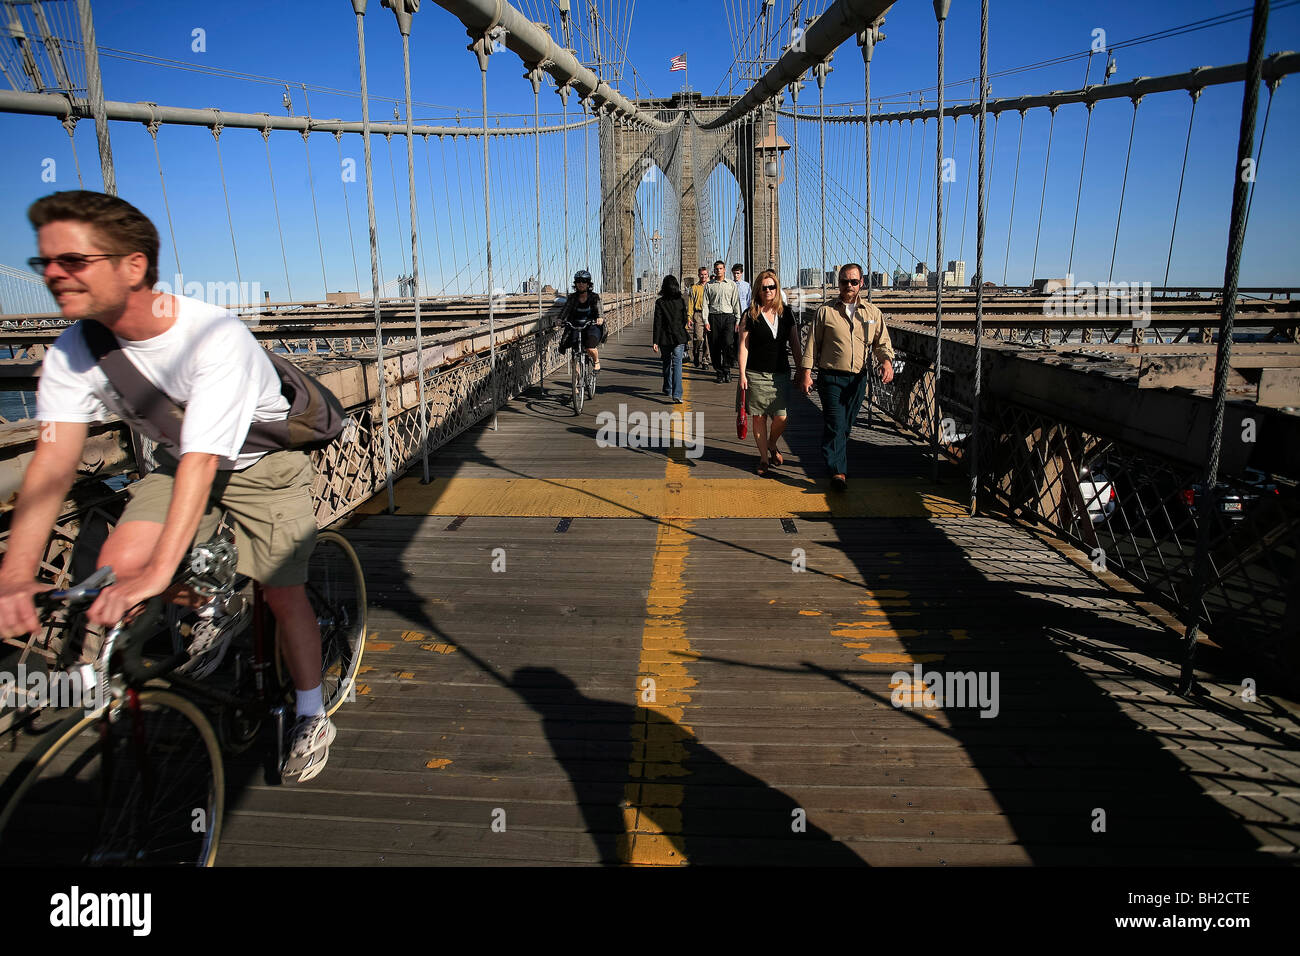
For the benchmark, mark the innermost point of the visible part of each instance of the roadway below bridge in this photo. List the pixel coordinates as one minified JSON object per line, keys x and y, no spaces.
{"x":582,"y":654}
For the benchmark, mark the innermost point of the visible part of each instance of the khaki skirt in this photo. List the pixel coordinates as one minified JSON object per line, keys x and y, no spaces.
{"x":769,"y":393}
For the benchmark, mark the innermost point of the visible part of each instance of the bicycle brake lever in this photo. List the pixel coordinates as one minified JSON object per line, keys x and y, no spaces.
{"x":80,"y":592}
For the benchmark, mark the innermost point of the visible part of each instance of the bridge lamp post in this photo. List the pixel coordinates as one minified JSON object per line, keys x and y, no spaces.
{"x":771,"y":150}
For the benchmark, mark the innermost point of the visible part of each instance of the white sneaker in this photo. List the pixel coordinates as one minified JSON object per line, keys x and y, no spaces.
{"x":309,"y":748}
{"x":211,"y":635}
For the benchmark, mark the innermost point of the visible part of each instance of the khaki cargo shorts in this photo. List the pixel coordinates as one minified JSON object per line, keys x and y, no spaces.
{"x":270,"y":506}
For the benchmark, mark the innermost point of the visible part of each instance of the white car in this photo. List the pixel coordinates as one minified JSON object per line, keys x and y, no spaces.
{"x":1098,"y":494}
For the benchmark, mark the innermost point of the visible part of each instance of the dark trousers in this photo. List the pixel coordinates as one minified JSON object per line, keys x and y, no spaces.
{"x":841,"y":394}
{"x":722,"y":335}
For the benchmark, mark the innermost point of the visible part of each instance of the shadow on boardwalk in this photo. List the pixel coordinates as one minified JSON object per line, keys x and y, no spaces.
{"x":707,"y":812}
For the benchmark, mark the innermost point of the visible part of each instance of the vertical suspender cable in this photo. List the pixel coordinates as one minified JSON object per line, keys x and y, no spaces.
{"x":822,"y":69}
{"x":1232,"y":268}
{"x":347,"y":208}
{"x":482,"y":48}
{"x":359,"y":7}
{"x":1195,"y":95}
{"x":941,"y":14}
{"x":311,"y":181}
{"x":973,"y":446}
{"x":221,"y":168}
{"x":1041,"y":199}
{"x":275,"y":204}
{"x":1015,"y":184}
{"x":404,"y":26}
{"x":535,"y":76}
{"x":868,"y":40}
{"x":798,"y":210}
{"x":95,"y":93}
{"x":153,"y":127}
{"x":1119,"y":213}
{"x":564,"y":98}
{"x":1078,"y":196}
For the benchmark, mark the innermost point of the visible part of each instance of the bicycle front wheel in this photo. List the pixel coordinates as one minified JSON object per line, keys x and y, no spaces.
{"x":141,"y":785}
{"x":579,"y":364}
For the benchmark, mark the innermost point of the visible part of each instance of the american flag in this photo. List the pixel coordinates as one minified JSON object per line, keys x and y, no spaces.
{"x":678,"y":63}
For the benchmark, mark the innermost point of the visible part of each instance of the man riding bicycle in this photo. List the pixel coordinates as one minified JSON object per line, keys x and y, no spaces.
{"x":582,"y":318}
{"x":99,"y":258}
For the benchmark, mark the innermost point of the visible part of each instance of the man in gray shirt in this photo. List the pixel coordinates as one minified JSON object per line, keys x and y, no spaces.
{"x":721,"y":317}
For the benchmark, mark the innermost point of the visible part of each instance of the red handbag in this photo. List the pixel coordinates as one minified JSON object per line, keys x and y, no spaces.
{"x":742,"y":418}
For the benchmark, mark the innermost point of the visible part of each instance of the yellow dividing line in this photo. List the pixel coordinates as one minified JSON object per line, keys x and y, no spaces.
{"x":652,"y":814}
{"x":676,"y":495}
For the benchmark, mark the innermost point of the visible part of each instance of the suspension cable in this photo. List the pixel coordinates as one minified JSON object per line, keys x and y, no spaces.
{"x":1078,"y":196}
{"x":386,"y":430}
{"x":1232,"y":267}
{"x":275,"y":202}
{"x":981,"y":199}
{"x":941,"y":14}
{"x":347,"y":209}
{"x":1047,"y":162}
{"x":1015,"y":183}
{"x":311,"y":182}
{"x":153,"y":126}
{"x":1119,"y":213}
{"x":216,"y":135}
{"x":1195,"y":95}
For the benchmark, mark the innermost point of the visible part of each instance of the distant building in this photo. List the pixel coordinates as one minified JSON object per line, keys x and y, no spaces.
{"x":901,"y":279}
{"x":958,"y":269}
{"x":921,"y":269}
{"x":880,"y":280}
{"x":809,"y":278}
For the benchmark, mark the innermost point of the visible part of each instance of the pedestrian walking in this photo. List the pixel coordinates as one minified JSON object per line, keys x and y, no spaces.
{"x":844,"y":335}
{"x":721,"y":318}
{"x":768,"y":338}
{"x":699,"y":338}
{"x":669,"y":336}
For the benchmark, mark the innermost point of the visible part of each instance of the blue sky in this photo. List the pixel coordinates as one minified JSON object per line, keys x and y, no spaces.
{"x":315,"y":43}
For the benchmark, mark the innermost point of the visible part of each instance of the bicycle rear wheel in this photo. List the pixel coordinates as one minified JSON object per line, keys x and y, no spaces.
{"x":134,"y":787}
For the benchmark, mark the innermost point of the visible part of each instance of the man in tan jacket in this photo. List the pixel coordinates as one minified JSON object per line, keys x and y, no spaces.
{"x":844,"y":334}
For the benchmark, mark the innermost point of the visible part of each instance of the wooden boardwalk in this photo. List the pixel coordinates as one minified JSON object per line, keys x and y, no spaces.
{"x":506,"y":716}
{"x":726,"y":673}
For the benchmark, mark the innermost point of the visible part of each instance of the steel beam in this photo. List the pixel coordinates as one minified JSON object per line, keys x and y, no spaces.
{"x":1276,"y":66}
{"x":55,"y":104}
{"x":536,"y":48}
{"x":842,"y":20}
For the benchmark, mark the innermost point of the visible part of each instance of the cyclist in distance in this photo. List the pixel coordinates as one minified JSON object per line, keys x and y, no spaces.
{"x":99,"y":258}
{"x":582,"y":312}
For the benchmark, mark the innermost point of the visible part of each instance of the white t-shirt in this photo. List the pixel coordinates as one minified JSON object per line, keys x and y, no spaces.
{"x":207,"y":361}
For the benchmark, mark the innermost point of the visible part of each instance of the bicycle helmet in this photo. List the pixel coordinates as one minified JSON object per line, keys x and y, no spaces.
{"x":582,"y":275}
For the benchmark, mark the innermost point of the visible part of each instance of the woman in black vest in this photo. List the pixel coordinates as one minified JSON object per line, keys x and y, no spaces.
{"x":767,"y":337}
{"x":669,"y":337}
{"x":582,"y":309}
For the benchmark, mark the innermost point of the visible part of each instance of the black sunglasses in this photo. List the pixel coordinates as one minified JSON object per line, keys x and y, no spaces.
{"x":850,"y":282}
{"x":71,"y":262}
{"x":768,"y":288}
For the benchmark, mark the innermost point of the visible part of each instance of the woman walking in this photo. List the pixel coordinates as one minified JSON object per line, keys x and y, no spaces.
{"x":767,"y":337}
{"x":669,"y":337}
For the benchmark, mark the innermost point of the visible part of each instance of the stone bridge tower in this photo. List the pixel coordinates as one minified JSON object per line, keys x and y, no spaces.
{"x":687,"y":156}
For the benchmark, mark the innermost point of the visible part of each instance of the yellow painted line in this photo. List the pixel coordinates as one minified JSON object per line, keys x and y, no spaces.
{"x":438,"y":763}
{"x":900,"y":658}
{"x":439,"y":648}
{"x":676,"y":495}
{"x":652,"y":814}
